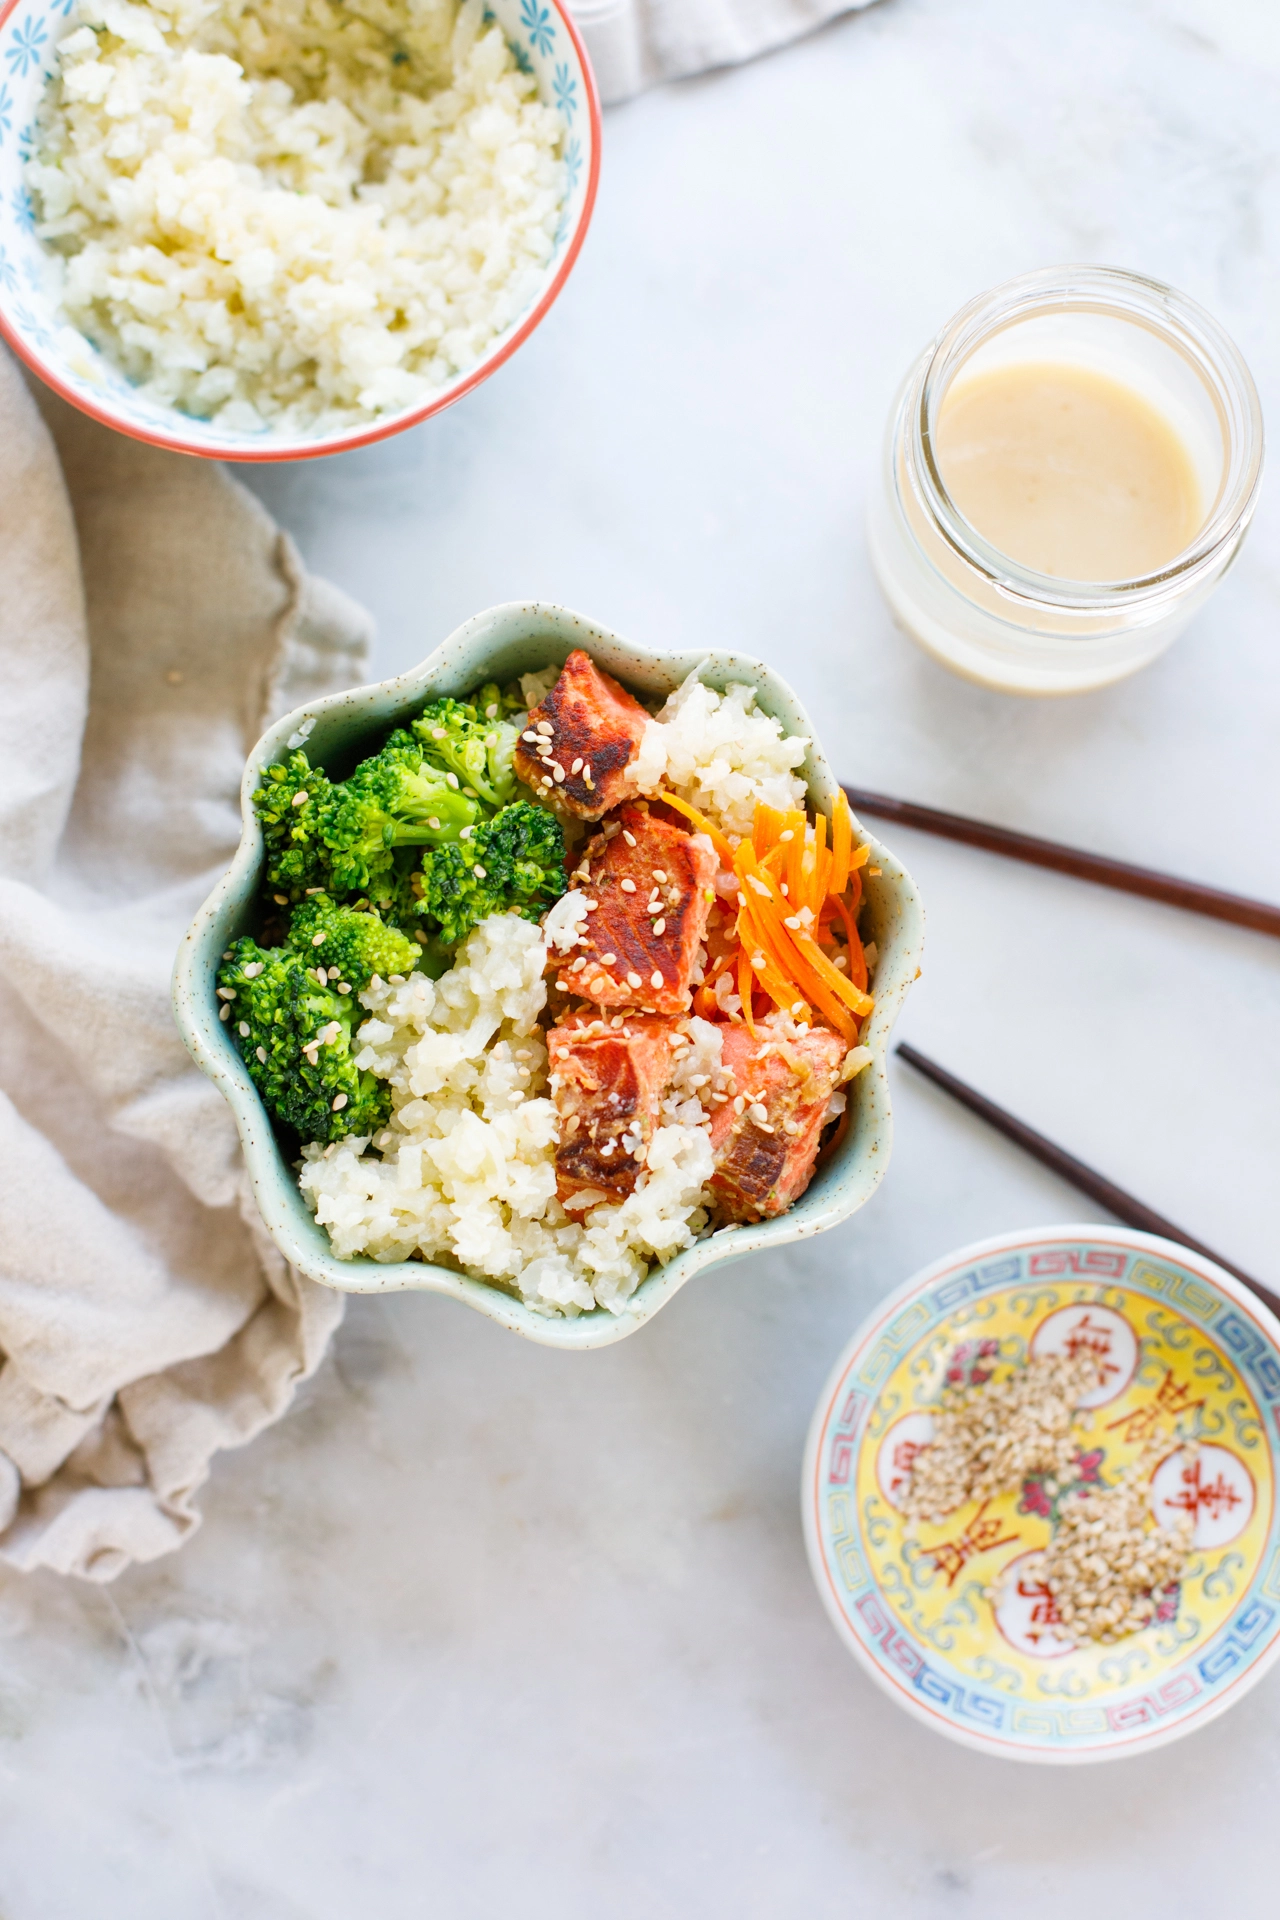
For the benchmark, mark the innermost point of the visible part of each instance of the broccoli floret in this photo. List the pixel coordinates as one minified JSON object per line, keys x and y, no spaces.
{"x":341,"y":835}
{"x":295,"y":1033}
{"x":493,"y":702}
{"x":292,"y":803}
{"x":514,"y":861}
{"x":350,"y":945}
{"x":478,"y":752}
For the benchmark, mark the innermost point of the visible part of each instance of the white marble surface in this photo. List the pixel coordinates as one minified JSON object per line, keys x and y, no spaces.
{"x":484,"y":1629}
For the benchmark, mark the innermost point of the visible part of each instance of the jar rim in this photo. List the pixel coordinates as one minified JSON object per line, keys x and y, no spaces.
{"x":1115,"y":291}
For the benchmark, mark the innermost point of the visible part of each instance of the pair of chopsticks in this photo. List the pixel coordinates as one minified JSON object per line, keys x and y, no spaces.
{"x":1098,"y":867}
{"x":1188,"y":894}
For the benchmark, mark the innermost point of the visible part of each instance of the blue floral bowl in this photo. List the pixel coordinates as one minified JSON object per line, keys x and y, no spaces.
{"x":545,"y":42}
{"x":506,"y":641}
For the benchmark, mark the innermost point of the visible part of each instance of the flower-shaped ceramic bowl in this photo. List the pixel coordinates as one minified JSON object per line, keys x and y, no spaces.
{"x":951,"y":1619}
{"x":506,"y":641}
{"x":546,"y":43}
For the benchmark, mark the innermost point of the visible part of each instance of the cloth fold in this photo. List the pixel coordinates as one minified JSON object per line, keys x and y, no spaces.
{"x":153,"y":620}
{"x":633,"y":44}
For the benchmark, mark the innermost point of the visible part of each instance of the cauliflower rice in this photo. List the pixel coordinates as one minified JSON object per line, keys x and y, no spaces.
{"x":285,"y":213}
{"x":465,"y":1172}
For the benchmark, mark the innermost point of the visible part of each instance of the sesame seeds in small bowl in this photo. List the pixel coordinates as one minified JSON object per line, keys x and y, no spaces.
{"x":1039,"y":1493}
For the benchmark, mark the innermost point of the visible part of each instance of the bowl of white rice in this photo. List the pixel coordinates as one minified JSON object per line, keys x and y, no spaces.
{"x":463,"y":1201}
{"x":273,"y":229}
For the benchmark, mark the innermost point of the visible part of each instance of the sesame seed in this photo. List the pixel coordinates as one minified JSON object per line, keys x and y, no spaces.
{"x":466,"y":833}
{"x":608,"y":959}
{"x":628,"y":886}
{"x":577,"y":765}
{"x":758,"y":962}
{"x":530,"y":736}
{"x":758,"y":1112}
{"x":557,"y":772}
{"x":628,"y":837}
{"x":545,"y":727}
{"x":579,"y":963}
{"x":226,"y":993}
{"x":301,"y":799}
{"x":261,"y":1053}
{"x":491,"y":712}
{"x":317,"y":939}
{"x":451,"y":780}
{"x":659,"y":926}
{"x":618,"y":1018}
{"x":224,"y":1013}
{"x":243,"y":1029}
{"x":739,"y":1104}
{"x":254,"y":968}
{"x":656,"y":978}
{"x":634,"y":980}
{"x":480,"y":873}
{"x":660,"y":876}
{"x":343,"y":986}
{"x":340,"y":1101}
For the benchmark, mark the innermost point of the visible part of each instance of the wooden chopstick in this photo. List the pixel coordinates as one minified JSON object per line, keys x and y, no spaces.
{"x":1242,"y":912}
{"x":1116,"y":1201}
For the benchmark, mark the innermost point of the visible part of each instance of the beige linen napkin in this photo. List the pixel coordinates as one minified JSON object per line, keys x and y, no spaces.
{"x":152,"y":619}
{"x":635,"y":43}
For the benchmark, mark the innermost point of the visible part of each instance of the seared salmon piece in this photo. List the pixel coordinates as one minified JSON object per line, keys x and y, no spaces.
{"x":766,"y":1138}
{"x":651,"y":887}
{"x":607,"y":1083}
{"x":579,"y":747}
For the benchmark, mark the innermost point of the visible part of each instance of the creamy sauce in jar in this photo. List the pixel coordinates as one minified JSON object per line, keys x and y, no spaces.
{"x":1067,"y":471}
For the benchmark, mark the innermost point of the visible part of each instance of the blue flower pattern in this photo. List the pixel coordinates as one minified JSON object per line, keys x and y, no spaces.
{"x":572,"y":164}
{"x":565,"y":89}
{"x":538,"y":25}
{"x":6,"y":112}
{"x":23,"y":209}
{"x":23,"y":52}
{"x":8,"y":273}
{"x":33,"y":329}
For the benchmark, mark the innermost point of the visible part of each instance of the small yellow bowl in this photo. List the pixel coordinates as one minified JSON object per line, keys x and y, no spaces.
{"x":951,"y":1619}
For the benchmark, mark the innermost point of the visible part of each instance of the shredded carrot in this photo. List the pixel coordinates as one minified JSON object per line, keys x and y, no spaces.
{"x":803,"y":878}
{"x":764,"y":917}
{"x":746,"y":986}
{"x":841,"y":843}
{"x":857,"y":1001}
{"x":703,"y":825}
{"x":857,"y":959}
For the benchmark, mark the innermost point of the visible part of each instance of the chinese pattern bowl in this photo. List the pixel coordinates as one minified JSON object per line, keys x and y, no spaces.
{"x":951,"y":1619}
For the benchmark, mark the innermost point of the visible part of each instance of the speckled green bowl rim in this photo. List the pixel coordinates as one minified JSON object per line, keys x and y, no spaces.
{"x":504,"y":641}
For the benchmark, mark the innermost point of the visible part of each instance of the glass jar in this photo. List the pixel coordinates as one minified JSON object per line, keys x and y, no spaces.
{"x":981,"y":613}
